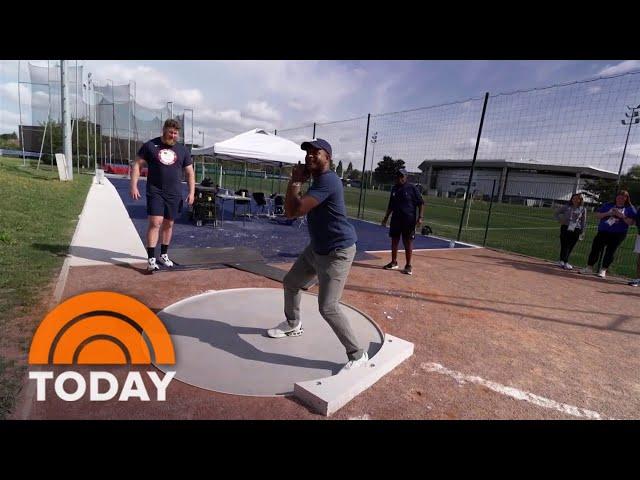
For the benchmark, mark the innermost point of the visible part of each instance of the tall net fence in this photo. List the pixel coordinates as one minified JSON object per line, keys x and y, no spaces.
{"x":536,"y":149}
{"x":108,"y":124}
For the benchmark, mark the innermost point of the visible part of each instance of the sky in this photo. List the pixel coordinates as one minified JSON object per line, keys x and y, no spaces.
{"x":572,"y":125}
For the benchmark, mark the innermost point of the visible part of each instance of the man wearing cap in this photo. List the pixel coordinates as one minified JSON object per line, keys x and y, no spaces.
{"x":330,"y":253}
{"x":403,"y":202}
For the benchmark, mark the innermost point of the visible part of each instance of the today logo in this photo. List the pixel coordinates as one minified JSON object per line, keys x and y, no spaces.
{"x":101,"y":328}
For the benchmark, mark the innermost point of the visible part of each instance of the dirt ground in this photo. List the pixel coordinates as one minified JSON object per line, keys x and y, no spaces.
{"x":559,"y":337}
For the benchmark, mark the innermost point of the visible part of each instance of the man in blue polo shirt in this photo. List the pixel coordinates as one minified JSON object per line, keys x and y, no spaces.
{"x":404,"y":200}
{"x":330,"y":253}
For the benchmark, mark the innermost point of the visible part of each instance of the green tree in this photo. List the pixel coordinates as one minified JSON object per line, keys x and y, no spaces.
{"x":606,"y":189}
{"x":9,"y":140}
{"x":339,"y":169}
{"x":355,"y":175}
{"x":349,"y":170}
{"x":386,"y":170}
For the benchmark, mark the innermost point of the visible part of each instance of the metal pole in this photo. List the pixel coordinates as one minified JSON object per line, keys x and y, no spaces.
{"x":129,"y":126}
{"x":364,"y":165}
{"x":486,"y":228}
{"x":314,"y":130}
{"x":113,"y":120}
{"x":66,"y":118}
{"x":87,"y":115}
{"x":77,"y":125}
{"x":20,"y":129}
{"x":473,"y":164}
{"x":624,"y":150}
{"x":374,"y":140}
{"x":135,"y":122}
{"x":49,"y":115}
{"x":95,"y":127}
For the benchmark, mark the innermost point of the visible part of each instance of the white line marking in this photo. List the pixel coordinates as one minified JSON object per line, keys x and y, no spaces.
{"x":421,"y":250}
{"x":361,"y":417}
{"x":512,"y":392}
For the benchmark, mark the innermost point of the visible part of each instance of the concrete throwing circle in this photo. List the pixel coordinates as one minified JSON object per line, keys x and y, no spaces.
{"x":221,"y":343}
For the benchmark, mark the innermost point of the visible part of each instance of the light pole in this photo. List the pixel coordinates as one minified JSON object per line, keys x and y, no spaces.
{"x":185,"y":116}
{"x":633,"y":118}
{"x":201,"y":132}
{"x":374,"y":139}
{"x":170,"y":108}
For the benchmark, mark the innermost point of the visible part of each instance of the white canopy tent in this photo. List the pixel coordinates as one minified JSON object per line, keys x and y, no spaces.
{"x":256,"y":146}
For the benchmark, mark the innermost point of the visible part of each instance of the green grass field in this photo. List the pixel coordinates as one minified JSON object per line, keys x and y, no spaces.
{"x":39,"y":214}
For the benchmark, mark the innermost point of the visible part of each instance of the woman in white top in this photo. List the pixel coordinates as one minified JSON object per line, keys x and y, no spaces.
{"x":573,"y":220}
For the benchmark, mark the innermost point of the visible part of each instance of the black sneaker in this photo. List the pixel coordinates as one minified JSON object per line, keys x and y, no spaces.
{"x":408,"y":270}
{"x":391,"y":266}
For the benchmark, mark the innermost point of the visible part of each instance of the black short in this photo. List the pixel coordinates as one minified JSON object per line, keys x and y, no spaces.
{"x":405,"y":230}
{"x":159,"y":203}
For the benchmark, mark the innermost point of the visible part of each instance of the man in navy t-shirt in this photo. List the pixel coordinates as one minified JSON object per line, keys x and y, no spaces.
{"x":166,"y":160}
{"x":404,"y":200}
{"x":330,"y":253}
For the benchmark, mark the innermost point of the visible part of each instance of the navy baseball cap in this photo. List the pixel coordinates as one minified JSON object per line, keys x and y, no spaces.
{"x":401,"y":172}
{"x":317,"y":143}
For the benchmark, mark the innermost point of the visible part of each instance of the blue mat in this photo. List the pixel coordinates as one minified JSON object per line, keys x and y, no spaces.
{"x":276,"y":241}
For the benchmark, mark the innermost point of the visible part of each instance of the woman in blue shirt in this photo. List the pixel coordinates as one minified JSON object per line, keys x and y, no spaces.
{"x":615,"y":218}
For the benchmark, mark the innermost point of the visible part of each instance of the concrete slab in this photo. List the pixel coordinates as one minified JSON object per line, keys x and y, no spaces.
{"x":105,"y":234}
{"x":328,"y":395}
{"x":221,"y":343}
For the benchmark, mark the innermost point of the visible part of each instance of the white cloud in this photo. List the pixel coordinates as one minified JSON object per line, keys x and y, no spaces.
{"x":153,"y":88}
{"x":486,"y":146}
{"x":261,"y":110}
{"x":353,"y":157}
{"x":633,"y":149}
{"x":296,"y":104}
{"x":232,"y":120}
{"x":622,"y":67}
{"x":311,"y":86}
{"x":8,"y":121}
{"x":190,"y":97}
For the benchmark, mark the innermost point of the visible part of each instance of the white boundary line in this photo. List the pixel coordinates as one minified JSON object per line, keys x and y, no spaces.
{"x":512,"y":392}
{"x":420,"y":250}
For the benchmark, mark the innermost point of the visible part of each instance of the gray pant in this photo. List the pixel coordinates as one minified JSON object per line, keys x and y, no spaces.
{"x":332,"y":271}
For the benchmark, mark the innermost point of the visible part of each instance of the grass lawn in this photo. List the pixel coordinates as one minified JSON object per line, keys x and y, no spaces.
{"x":39,"y":213}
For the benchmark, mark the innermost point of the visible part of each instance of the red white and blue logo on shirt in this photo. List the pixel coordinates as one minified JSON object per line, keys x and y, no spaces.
{"x":167,"y":156}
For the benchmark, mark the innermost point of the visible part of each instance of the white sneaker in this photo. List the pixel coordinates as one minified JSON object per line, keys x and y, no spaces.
{"x":561,"y":264}
{"x":567,"y":266}
{"x":586,"y":270}
{"x":164,"y":260}
{"x":602,"y":273}
{"x":285,"y":330}
{"x":635,"y":282}
{"x":356,"y":363}
{"x":152,"y":266}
